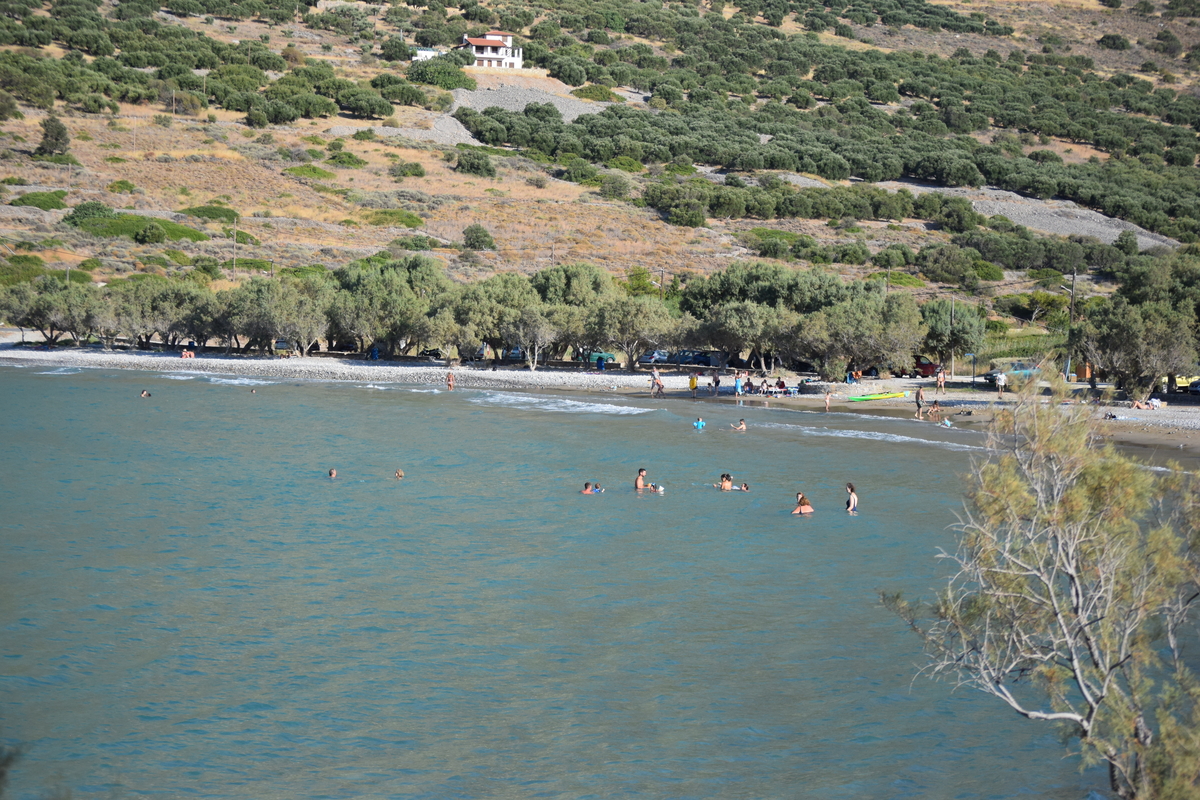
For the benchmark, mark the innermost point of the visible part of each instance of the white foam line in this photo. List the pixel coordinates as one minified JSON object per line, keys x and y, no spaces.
{"x":896,"y":438}
{"x":531,"y":402}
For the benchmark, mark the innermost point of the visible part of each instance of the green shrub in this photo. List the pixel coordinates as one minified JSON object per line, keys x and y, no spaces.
{"x":771,"y":233}
{"x":150,"y":233}
{"x":365,"y":135}
{"x":214,"y":213}
{"x":163,"y":120}
{"x":625,"y":164}
{"x":441,"y":71}
{"x":89,"y":264}
{"x":46,"y":201}
{"x":346,"y":159}
{"x":1047,"y":278}
{"x":595,"y":91}
{"x":61,"y":159}
{"x":987,"y":271}
{"x":1113,"y":41}
{"x":394,"y":216}
{"x":12,"y":274}
{"x":121,"y":187}
{"x":26,"y":262}
{"x":996,"y":326}
{"x":310,"y":171}
{"x":476,"y":237}
{"x":248,"y":264}
{"x":178,"y":257}
{"x":473,"y":162}
{"x":115,"y":160}
{"x":406,"y":169}
{"x":413,"y":243}
{"x":241,"y":237}
{"x":898,"y":278}
{"x":13,"y":180}
{"x":74,"y":276}
{"x":128,"y":225}
{"x":88,"y":210}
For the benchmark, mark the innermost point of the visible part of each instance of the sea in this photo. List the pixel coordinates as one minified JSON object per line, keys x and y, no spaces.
{"x":191,"y":607}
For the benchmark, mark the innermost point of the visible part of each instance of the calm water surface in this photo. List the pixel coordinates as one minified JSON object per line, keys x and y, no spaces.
{"x":191,"y":608}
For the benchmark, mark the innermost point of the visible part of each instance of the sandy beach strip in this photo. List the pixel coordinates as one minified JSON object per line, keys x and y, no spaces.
{"x":1171,"y":433}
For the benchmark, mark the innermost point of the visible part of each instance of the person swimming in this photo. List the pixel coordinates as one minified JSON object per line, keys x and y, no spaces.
{"x":399,"y":474}
{"x":332,"y":474}
{"x":698,"y":424}
{"x":726,"y":483}
{"x":145,"y":393}
{"x":852,"y":500}
{"x":802,"y":504}
{"x":741,"y":425}
{"x":587,"y":488}
{"x":639,"y":482}
{"x":745,"y":487}
{"x":596,"y":488}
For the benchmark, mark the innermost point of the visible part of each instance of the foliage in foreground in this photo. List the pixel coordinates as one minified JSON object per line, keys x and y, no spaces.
{"x":1075,"y":585}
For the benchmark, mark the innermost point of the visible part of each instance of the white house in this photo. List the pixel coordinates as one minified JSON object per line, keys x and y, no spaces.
{"x":494,"y":50}
{"x":424,"y":53}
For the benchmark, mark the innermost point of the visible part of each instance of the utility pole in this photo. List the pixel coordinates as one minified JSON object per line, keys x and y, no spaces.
{"x":1071,"y":319}
{"x":235,"y":248}
{"x":662,"y":283}
{"x":951,"y":333}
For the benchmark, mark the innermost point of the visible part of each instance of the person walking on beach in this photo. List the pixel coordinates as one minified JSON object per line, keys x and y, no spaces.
{"x":737,"y":384}
{"x":802,"y":504}
{"x":639,"y":482}
{"x":920,"y":402}
{"x":852,"y":500}
{"x":1001,"y":382}
{"x":941,"y":382}
{"x":449,"y":381}
{"x":693,"y":381}
{"x":828,"y":396}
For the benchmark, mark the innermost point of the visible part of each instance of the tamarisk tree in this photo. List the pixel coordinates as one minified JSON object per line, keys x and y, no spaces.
{"x":1074,"y":580}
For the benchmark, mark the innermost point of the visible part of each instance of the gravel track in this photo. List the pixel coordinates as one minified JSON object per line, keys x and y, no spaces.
{"x":446,"y":130}
{"x":1061,"y":217}
{"x":515,"y":98}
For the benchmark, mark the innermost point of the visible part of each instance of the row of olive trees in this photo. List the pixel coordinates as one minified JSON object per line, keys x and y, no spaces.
{"x":403,"y":304}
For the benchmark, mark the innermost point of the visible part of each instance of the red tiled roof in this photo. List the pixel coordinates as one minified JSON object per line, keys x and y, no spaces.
{"x":500,"y":33}
{"x":486,"y":42}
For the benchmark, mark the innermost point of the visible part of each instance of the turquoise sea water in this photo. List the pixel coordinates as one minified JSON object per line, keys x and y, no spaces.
{"x":191,"y":608}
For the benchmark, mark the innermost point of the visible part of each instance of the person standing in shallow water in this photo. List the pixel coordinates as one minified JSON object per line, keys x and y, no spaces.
{"x":852,"y":500}
{"x":449,"y":381}
{"x":639,"y":482}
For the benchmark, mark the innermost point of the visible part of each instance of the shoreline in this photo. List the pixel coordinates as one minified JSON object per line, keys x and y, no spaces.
{"x":1156,"y":437}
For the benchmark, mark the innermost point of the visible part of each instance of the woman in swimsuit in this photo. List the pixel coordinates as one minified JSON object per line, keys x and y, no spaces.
{"x":802,"y":504}
{"x":852,"y":500}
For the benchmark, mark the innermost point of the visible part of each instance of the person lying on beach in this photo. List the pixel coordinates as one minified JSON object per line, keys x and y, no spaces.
{"x":802,"y":504}
{"x":1149,"y":405}
{"x":741,"y":425}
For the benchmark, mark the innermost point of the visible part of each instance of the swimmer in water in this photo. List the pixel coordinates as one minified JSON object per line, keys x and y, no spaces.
{"x":399,"y":474}
{"x":587,"y":488}
{"x":145,"y":393}
{"x":596,"y":488}
{"x":698,"y":424}
{"x":639,"y":482}
{"x":332,"y":474}
{"x":852,"y":500}
{"x":802,"y":504}
{"x":726,"y":484}
{"x":741,"y":426}
{"x":745,"y":487}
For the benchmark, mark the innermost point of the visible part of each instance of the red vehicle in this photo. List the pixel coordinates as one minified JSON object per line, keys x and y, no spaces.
{"x":925,"y":368}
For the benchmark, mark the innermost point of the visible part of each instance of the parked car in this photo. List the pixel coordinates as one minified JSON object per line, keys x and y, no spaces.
{"x":1183,"y":383}
{"x":515,"y":354}
{"x":654,"y":357}
{"x":700,"y":358}
{"x":925,"y":367}
{"x":590,"y":357}
{"x":1193,"y":387}
{"x":1018,"y":371}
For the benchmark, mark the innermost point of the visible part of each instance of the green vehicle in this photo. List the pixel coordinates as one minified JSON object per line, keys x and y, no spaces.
{"x":591,"y":356}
